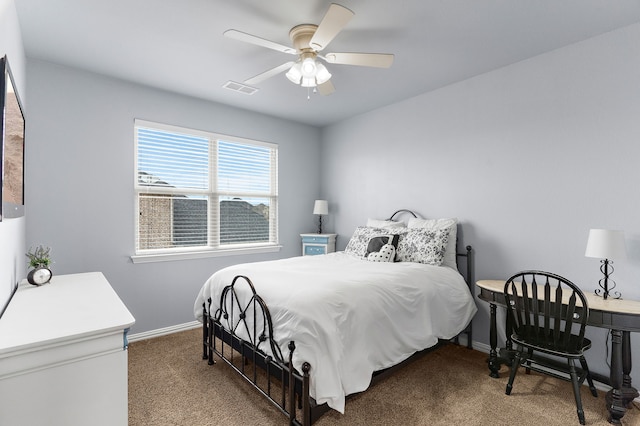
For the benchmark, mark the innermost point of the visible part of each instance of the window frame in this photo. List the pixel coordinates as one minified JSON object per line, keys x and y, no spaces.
{"x":213,"y":247}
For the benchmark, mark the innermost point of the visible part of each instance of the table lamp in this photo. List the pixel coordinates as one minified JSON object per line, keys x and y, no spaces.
{"x":606,"y":244}
{"x":321,"y":207}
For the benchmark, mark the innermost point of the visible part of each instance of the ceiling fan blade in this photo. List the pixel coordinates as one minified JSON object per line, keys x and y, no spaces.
{"x":248,"y":38}
{"x":333,"y":22}
{"x":378,"y":60}
{"x":268,"y":74}
{"x":326,"y":88}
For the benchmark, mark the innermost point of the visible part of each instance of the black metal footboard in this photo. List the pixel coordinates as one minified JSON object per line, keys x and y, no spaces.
{"x":239,"y":332}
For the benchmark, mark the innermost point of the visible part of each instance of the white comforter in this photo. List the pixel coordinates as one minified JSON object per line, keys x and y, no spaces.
{"x":351,"y":317}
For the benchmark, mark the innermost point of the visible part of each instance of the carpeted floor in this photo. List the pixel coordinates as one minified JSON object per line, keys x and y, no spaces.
{"x":170,"y":384}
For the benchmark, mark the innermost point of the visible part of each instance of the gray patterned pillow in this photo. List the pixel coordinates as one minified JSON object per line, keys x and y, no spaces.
{"x":423,"y":246}
{"x":359,"y":241}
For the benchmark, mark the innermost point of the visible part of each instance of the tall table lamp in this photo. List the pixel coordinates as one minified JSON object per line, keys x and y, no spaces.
{"x":320,"y":207}
{"x":605,"y":245}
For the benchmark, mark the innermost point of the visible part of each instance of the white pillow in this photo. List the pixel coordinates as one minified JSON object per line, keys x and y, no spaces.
{"x":452,"y":224}
{"x":376,"y":223}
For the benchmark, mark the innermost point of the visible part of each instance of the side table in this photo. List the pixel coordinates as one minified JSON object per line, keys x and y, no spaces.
{"x":313,"y":244}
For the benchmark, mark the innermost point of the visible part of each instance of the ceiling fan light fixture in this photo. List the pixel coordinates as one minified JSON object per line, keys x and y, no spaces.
{"x":308,"y":73}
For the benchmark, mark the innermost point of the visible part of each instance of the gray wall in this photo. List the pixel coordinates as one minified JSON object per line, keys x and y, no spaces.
{"x":12,"y":231}
{"x":528,"y":157}
{"x":80,"y":180}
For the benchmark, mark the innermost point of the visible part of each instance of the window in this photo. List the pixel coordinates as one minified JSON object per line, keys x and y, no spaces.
{"x":203,"y":192}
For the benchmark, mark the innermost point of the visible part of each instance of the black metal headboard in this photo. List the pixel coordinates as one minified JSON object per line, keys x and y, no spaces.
{"x":403,"y":211}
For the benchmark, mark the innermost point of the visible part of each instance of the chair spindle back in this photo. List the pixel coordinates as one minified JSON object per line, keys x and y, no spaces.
{"x":561,"y":306}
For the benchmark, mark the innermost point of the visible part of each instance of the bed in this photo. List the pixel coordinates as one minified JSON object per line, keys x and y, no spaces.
{"x":309,"y":331}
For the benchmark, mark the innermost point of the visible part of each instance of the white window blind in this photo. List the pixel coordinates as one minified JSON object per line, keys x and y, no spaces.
{"x":203,"y":191}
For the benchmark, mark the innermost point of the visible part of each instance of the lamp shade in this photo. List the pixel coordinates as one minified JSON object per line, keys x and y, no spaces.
{"x":308,"y":82}
{"x":321,"y":207}
{"x":308,"y":68}
{"x":322,"y":74}
{"x":606,"y":244}
{"x":295,"y":73}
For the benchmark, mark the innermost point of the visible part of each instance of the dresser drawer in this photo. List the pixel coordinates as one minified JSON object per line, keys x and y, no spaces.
{"x":319,"y":239}
{"x":310,"y":250}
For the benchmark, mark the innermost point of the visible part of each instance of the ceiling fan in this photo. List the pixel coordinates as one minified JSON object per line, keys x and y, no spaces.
{"x":308,"y":40}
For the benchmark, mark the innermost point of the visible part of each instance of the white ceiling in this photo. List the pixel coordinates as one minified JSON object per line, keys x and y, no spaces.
{"x":177,"y":45}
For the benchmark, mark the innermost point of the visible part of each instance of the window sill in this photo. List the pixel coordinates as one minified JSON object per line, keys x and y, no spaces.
{"x":189,"y":255}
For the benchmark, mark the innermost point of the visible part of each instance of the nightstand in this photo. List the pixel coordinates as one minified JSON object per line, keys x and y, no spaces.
{"x":313,"y":244}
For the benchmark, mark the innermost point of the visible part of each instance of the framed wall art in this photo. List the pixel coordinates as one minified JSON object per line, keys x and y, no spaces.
{"x":12,"y":155}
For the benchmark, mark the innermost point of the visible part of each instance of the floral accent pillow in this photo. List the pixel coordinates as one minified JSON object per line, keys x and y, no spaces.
{"x":357,"y":245}
{"x":423,"y":245}
{"x":450,"y":256}
{"x":359,"y":242}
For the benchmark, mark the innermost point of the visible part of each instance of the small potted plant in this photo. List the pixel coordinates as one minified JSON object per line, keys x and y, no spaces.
{"x":39,"y":260}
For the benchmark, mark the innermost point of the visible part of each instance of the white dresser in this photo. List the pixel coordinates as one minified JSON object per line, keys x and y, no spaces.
{"x":63,"y":354}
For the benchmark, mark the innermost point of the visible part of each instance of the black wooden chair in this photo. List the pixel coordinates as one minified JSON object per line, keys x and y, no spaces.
{"x":549,"y":314}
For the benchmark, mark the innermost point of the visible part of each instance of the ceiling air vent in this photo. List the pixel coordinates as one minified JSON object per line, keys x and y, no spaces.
{"x":239,"y":87}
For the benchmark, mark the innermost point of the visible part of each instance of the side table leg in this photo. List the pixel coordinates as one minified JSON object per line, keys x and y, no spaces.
{"x":614,"y":398}
{"x":494,"y":364}
{"x":629,"y":393}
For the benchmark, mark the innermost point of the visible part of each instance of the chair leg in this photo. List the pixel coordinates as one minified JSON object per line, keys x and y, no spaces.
{"x":585,"y":367}
{"x":576,"y":390}
{"x":530,"y":355}
{"x":515,"y":364}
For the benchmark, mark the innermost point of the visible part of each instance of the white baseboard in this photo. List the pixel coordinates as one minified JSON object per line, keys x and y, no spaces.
{"x":481,"y":347}
{"x":163,"y":331}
